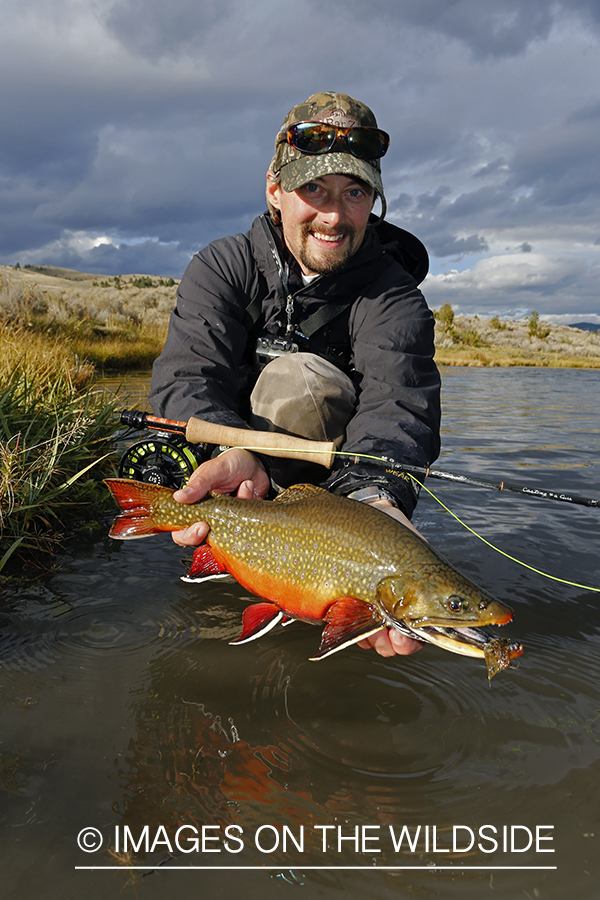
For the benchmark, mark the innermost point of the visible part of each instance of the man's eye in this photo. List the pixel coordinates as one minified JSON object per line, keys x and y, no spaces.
{"x":311,"y":187}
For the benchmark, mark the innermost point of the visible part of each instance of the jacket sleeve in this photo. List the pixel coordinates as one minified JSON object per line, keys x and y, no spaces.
{"x":198,"y":371}
{"x":398,"y":411}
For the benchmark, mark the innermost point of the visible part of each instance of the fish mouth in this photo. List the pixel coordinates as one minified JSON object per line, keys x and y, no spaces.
{"x":468,"y":641}
{"x":498,"y":652}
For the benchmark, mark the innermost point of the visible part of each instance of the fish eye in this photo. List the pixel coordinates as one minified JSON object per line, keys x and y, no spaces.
{"x":457,"y":604}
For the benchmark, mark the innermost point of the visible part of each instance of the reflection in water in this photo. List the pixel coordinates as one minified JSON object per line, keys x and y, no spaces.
{"x":124,"y":705}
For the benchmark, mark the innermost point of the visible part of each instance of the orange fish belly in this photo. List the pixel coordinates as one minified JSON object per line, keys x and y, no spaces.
{"x":304,"y":598}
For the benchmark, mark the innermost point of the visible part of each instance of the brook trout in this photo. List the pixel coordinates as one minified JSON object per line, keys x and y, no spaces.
{"x":325,"y":559}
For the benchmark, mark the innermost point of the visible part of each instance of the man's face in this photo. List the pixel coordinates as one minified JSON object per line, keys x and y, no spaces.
{"x":324,"y":221}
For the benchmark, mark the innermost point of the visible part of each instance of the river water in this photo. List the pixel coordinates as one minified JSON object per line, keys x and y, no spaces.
{"x":125,"y":710}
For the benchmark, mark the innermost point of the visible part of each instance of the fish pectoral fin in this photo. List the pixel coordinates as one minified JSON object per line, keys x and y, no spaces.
{"x":348,"y":620}
{"x":204,"y":564}
{"x":257,"y":619}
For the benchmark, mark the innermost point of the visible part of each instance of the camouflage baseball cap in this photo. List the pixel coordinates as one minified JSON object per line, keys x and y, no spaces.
{"x":297,"y":168}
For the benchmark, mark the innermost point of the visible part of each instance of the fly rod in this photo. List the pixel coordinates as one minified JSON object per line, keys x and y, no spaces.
{"x":274,"y":444}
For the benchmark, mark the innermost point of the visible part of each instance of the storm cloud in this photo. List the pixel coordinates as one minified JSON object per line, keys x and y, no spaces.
{"x":135,"y":131}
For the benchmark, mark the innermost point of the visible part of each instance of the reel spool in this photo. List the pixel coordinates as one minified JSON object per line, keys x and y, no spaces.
{"x":165,"y":459}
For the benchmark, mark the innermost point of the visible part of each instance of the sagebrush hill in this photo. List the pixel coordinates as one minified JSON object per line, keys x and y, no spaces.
{"x":120,"y":322}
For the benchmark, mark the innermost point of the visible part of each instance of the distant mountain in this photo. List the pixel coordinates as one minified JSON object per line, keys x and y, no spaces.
{"x":585,"y":326}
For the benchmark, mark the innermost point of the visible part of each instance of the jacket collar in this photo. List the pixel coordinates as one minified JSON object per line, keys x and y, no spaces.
{"x":280,"y":268}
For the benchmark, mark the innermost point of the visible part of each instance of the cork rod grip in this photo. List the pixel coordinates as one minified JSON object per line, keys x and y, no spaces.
{"x":270,"y":443}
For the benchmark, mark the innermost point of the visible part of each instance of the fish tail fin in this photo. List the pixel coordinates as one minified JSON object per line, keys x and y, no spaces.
{"x":136,"y":500}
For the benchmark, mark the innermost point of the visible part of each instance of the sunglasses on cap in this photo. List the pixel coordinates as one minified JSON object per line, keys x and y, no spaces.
{"x":314,"y":138}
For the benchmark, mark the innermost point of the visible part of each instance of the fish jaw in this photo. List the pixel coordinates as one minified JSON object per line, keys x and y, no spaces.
{"x":437,"y":595}
{"x":475,"y":642}
{"x":438,"y":605}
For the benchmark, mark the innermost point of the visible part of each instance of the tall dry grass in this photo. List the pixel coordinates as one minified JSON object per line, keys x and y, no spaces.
{"x":115,"y":328}
{"x":56,"y":437}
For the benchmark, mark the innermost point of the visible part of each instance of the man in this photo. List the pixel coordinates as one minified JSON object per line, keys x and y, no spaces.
{"x":311,"y":324}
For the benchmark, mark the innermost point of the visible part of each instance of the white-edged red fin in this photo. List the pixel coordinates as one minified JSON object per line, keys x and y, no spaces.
{"x":205,"y":564}
{"x":287,"y":620}
{"x":348,"y":620}
{"x":257,"y":619}
{"x":135,"y":499}
{"x":200,"y":578}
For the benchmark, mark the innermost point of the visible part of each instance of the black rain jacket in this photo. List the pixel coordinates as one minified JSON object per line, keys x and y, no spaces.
{"x":382,"y":334}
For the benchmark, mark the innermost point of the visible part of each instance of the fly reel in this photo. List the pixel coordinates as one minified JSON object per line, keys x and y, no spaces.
{"x":165,"y":459}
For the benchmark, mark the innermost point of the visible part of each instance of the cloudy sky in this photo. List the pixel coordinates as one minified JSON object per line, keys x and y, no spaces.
{"x":135,"y":131}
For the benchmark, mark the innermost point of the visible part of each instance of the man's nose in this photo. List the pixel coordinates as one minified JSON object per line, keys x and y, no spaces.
{"x":332,"y":213}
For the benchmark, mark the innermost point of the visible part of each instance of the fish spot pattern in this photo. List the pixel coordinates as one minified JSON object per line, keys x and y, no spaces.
{"x":342,"y":548}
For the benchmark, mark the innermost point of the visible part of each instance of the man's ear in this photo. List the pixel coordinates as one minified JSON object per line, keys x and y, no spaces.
{"x":273,"y":189}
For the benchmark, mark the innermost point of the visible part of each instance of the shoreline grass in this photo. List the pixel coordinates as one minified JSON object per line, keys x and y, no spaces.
{"x":57,"y":433}
{"x":493,"y":358}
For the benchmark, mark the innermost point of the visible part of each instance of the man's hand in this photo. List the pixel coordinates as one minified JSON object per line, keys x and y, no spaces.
{"x":388,"y":642}
{"x":387,"y":507}
{"x":236,"y":471}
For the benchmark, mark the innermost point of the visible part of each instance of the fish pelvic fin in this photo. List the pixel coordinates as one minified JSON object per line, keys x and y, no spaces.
{"x":348,"y":620}
{"x":135,"y":498}
{"x":257,"y":619}
{"x":204,"y":564}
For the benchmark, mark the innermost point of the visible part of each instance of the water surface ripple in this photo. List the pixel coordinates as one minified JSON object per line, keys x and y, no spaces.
{"x":124,"y":705}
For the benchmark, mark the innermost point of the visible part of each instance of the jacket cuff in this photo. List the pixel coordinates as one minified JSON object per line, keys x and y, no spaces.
{"x":399,"y":487}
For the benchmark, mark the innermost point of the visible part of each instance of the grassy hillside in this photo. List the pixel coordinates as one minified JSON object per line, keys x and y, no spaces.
{"x":120,"y":323}
{"x":475,"y":341}
{"x":115,"y":323}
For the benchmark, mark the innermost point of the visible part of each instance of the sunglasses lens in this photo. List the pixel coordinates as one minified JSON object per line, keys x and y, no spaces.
{"x":310,"y":138}
{"x":363,"y":143}
{"x":368,"y":143}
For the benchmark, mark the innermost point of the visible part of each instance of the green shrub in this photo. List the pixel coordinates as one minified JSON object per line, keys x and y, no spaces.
{"x":445,"y":315}
{"x":536,"y":329}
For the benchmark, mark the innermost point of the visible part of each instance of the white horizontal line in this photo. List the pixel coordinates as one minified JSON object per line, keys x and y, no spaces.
{"x":284,"y":868}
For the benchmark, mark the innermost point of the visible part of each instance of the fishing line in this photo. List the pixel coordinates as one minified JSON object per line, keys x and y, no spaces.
{"x":519,"y":562}
{"x":585,"y":587}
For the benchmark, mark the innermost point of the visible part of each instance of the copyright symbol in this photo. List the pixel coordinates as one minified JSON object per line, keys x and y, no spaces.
{"x":89,"y":840}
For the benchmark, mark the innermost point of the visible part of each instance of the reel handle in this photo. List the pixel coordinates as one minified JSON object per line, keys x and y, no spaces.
{"x":270,"y":443}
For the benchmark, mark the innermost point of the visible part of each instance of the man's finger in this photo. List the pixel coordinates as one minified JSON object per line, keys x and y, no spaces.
{"x":191,"y":536}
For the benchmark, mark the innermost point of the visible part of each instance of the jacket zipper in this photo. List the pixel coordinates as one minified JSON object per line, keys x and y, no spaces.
{"x":284,"y":279}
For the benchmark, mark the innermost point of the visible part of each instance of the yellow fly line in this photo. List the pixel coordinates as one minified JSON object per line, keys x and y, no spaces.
{"x":585,"y":587}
